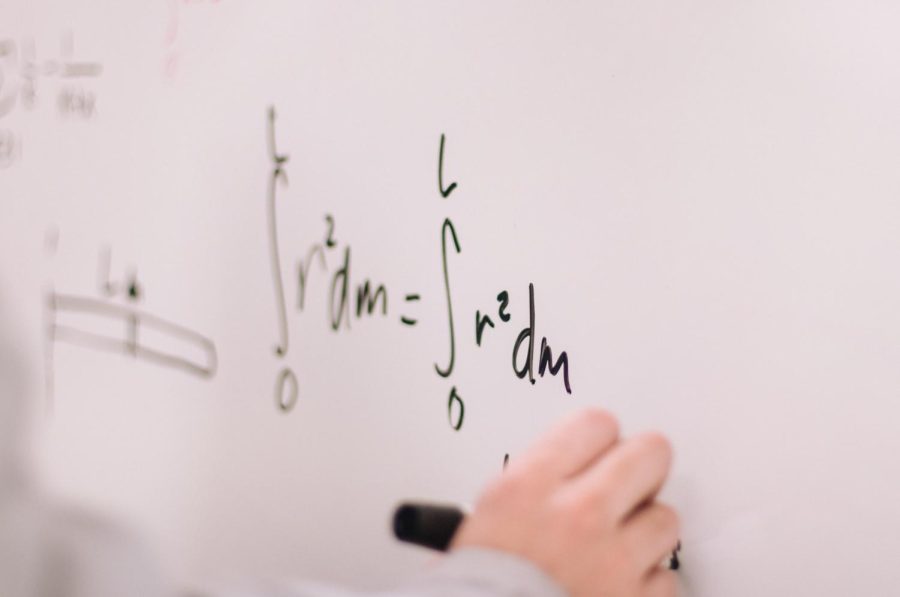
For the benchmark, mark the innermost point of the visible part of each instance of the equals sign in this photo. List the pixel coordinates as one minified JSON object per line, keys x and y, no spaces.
{"x":410,"y":298}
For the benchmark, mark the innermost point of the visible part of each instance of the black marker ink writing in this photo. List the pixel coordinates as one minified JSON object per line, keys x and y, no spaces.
{"x":410,"y":298}
{"x":287,"y":388}
{"x":444,"y":192}
{"x":368,"y":301}
{"x":448,"y":227}
{"x":336,"y":314}
{"x":329,"y":236}
{"x":562,"y":362}
{"x":278,"y":175}
{"x":130,"y":345}
{"x":369,"y":296}
{"x":503,"y":299}
{"x":674,"y":562}
{"x":286,"y":380}
{"x":303,"y":271}
{"x":546,"y":356}
{"x":104,"y":261}
{"x":480,"y":322}
{"x":455,"y":399}
{"x":526,"y":334}
{"x":131,"y":289}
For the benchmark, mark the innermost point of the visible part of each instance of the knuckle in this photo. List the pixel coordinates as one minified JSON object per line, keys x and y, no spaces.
{"x":594,"y":498}
{"x":569,"y":505}
{"x":543,"y":464}
{"x":601,"y":501}
{"x":578,"y":514}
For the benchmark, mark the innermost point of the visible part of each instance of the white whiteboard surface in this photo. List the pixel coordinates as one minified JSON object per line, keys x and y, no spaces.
{"x":705,"y":196}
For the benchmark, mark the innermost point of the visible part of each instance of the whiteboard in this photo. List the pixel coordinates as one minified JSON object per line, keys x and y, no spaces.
{"x":703,"y":196}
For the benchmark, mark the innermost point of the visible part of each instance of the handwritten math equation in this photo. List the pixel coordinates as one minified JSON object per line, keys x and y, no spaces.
{"x":328,"y":265}
{"x":22,"y":75}
{"x":112,"y":322}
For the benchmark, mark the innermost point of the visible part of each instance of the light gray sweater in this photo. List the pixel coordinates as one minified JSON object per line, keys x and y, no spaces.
{"x":48,"y":551}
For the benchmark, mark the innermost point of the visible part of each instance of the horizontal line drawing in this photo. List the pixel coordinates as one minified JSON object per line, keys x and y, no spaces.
{"x":129,"y":344}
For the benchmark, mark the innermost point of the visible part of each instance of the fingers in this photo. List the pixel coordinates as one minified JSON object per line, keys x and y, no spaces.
{"x":661,"y":583}
{"x":574,"y":444}
{"x":630,"y":474}
{"x":651,"y":534}
{"x":581,"y":503}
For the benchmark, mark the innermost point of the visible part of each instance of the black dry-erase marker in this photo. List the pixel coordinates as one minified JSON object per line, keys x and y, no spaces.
{"x":434,"y":525}
{"x":428,"y":525}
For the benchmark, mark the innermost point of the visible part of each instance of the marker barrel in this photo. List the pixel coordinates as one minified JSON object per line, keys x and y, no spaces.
{"x":428,"y":525}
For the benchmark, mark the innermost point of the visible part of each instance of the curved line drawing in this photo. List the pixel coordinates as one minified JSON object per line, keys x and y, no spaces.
{"x":448,"y":225}
{"x":278,"y":174}
{"x":129,"y":344}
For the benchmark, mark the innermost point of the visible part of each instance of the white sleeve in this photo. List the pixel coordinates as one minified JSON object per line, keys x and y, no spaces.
{"x":468,"y":572}
{"x":477,"y":572}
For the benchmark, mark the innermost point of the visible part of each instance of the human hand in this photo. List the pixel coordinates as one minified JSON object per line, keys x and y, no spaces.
{"x":581,"y":505}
